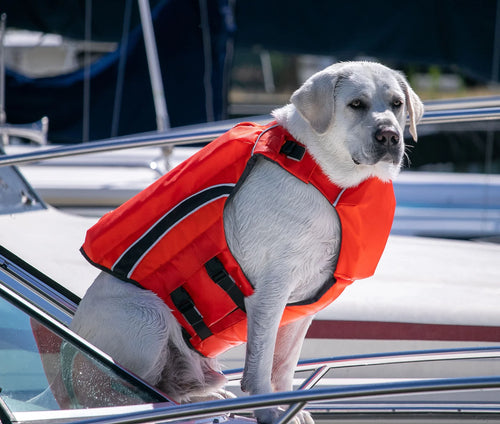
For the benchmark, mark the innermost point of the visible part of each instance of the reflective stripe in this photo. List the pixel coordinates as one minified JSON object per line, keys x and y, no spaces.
{"x":131,"y":257}
{"x":337,"y":200}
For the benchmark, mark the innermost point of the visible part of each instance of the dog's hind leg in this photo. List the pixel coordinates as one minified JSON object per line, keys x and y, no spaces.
{"x":188,"y":376}
{"x":128,"y":323}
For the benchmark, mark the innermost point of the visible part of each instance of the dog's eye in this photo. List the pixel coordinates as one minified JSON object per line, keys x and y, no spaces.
{"x":397,"y":103}
{"x":357,"y":104}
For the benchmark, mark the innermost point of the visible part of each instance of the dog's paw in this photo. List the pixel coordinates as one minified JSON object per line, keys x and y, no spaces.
{"x":225,"y":394}
{"x":271,"y":415}
{"x":267,"y":416}
{"x":214,"y":395}
{"x":303,"y":417}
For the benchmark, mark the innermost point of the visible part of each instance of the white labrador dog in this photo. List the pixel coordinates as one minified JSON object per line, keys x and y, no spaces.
{"x":351,"y":118}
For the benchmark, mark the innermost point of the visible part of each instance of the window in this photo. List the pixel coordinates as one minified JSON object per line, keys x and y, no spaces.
{"x":40,"y":370}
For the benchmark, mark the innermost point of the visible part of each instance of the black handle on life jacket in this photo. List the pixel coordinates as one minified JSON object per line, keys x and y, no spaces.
{"x":184,"y":303}
{"x":293,"y":150}
{"x":221,"y":277}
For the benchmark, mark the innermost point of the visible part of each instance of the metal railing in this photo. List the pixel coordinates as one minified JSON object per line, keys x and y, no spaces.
{"x":435,"y":355}
{"x":207,"y":132}
{"x":207,"y":409}
{"x":305,"y":395}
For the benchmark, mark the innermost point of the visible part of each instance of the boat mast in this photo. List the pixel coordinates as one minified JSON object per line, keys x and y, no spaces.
{"x":3,"y":118}
{"x":162,"y":119}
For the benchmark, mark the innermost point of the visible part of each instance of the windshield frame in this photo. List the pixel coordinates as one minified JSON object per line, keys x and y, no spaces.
{"x":26,"y":305}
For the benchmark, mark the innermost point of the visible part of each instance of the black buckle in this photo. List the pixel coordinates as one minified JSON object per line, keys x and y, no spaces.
{"x":183,"y":302}
{"x":293,"y":150}
{"x":221,"y":277}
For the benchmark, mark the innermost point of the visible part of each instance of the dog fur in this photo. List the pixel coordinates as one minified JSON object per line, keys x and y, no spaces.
{"x":284,"y":234}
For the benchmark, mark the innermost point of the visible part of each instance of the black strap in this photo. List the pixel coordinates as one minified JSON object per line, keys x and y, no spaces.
{"x":221,"y":277}
{"x":293,"y":150}
{"x":183,"y":302}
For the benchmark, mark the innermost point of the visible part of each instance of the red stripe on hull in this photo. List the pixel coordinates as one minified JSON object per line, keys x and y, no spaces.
{"x":378,"y":330}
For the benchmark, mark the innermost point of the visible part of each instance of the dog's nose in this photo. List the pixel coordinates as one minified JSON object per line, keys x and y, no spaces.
{"x":386,"y":136}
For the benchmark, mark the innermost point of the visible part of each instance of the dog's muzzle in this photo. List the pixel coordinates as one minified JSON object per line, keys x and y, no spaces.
{"x":386,"y":136}
{"x":386,"y":145}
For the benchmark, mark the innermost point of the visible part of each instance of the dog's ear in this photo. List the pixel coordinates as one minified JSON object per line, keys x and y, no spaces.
{"x":314,"y":100}
{"x":414,"y":105}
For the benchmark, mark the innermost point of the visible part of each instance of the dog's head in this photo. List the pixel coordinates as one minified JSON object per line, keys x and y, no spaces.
{"x":352,"y":116}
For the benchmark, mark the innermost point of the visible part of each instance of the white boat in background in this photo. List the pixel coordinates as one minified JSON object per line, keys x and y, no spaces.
{"x":432,"y":204}
{"x":426,"y":293}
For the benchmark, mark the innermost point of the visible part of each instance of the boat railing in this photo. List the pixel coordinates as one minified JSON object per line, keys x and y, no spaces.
{"x":341,"y":395}
{"x":204,"y":133}
{"x":323,"y":365}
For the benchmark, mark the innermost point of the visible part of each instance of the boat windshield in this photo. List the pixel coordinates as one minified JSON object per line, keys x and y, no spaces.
{"x":42,"y":371}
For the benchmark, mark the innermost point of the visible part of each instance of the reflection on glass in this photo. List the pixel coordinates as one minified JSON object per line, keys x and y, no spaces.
{"x":41,"y":371}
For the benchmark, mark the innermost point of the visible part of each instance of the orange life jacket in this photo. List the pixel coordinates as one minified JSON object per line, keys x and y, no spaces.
{"x":170,"y":237}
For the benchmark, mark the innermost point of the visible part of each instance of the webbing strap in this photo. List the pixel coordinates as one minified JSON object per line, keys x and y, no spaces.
{"x":293,"y":150}
{"x":184,"y":303}
{"x":221,"y":277}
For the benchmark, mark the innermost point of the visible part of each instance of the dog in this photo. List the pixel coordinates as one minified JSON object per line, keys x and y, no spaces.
{"x":284,"y":234}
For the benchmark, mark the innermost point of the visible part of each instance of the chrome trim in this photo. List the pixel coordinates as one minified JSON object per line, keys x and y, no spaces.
{"x":204,"y":133}
{"x":320,"y":367}
{"x":206,"y":409}
{"x":60,"y":306}
{"x":390,"y":358}
{"x":35,"y":131}
{"x":50,"y":306}
{"x":176,"y":136}
{"x":461,"y":115}
{"x":462,"y":103}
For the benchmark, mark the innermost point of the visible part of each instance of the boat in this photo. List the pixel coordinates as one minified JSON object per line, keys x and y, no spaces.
{"x":427,"y":292}
{"x":440,"y":385}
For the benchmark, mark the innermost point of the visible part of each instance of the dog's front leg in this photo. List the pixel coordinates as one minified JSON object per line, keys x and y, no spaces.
{"x":287,"y":351}
{"x":286,"y":355}
{"x":264,"y":309}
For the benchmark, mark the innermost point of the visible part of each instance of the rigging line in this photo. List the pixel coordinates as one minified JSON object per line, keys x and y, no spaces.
{"x":121,"y":68}
{"x":227,"y":13}
{"x":490,"y":134}
{"x":495,"y":67}
{"x":86,"y":72}
{"x":3,"y":117}
{"x":207,"y":55}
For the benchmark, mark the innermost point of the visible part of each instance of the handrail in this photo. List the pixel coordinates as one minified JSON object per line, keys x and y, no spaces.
{"x":440,"y":116}
{"x":463,"y":103}
{"x":206,"y":409}
{"x":320,"y":367}
{"x":176,"y":136}
{"x":207,"y":132}
{"x":389,"y":358}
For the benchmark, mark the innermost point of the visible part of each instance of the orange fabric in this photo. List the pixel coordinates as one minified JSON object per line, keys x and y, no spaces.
{"x":184,"y":229}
